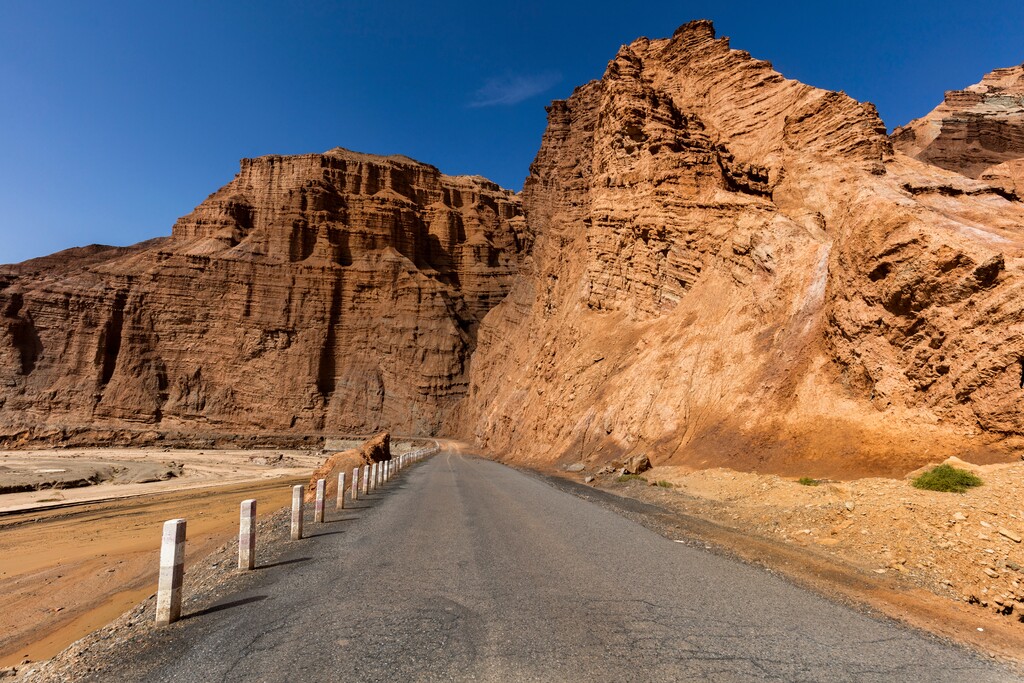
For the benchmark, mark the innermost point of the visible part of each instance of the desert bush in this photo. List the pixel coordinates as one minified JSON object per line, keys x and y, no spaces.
{"x":948,"y":479}
{"x":665,"y":484}
{"x":630,"y":477}
{"x":807,"y":481}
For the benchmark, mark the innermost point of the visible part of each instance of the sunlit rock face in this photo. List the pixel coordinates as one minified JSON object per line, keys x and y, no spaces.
{"x":322,"y":292}
{"x":978,"y":131}
{"x":733,"y":268}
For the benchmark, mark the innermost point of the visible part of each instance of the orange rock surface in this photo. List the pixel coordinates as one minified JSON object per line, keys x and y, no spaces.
{"x":978,"y":132}
{"x":324,"y":292}
{"x":735,"y":269}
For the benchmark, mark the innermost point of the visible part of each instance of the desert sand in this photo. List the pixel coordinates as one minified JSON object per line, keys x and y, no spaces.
{"x":71,"y":560}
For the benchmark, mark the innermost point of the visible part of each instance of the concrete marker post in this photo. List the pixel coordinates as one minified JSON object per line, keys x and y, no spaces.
{"x":318,"y":509}
{"x":355,"y":483}
{"x":247,"y":536}
{"x":340,"y":504}
{"x":297,"y":493}
{"x":172,"y":572}
{"x":366,"y":479}
{"x":373,"y":477}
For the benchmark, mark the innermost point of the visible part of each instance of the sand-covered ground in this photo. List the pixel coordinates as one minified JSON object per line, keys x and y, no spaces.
{"x":125,"y":472}
{"x":72,"y":559}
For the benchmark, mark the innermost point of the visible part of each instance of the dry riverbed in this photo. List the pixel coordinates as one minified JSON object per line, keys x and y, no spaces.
{"x":73,"y":559}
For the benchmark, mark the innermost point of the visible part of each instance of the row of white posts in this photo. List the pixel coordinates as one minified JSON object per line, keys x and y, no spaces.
{"x":172,"y":548}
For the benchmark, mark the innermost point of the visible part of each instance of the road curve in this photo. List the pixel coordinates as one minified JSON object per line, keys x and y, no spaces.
{"x":466,"y":570}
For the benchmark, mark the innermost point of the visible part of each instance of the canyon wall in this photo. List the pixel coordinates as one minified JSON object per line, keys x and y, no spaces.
{"x":736,"y":269}
{"x":333,"y":292}
{"x":711,"y":264}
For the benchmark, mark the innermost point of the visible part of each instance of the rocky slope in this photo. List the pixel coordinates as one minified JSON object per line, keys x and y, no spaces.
{"x":733,"y":268}
{"x":323,"y":292}
{"x":978,"y":132}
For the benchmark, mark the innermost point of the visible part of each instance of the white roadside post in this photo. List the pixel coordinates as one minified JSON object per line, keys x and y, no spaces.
{"x":373,"y":477}
{"x":355,"y":483}
{"x":247,"y":535}
{"x":340,"y":504}
{"x":318,"y":509}
{"x":172,"y":572}
{"x":297,"y":492}
{"x":366,"y":479}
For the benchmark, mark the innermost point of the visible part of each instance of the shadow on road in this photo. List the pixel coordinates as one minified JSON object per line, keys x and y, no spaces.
{"x":229,"y":605}
{"x":294,"y":560}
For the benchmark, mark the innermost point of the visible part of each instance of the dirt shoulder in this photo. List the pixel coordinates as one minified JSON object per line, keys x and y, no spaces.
{"x":936,"y":561}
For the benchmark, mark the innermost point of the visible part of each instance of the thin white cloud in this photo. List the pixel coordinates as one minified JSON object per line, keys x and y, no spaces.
{"x":504,"y":91}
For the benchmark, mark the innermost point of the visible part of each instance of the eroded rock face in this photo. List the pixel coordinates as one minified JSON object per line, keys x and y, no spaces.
{"x":978,"y":132}
{"x":324,"y":292}
{"x":732,"y":268}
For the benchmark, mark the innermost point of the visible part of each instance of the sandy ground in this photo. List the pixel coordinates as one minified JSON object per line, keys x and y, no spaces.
{"x":71,"y":560}
{"x":197,"y":468}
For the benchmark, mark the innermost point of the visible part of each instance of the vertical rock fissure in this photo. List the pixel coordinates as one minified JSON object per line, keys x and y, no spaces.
{"x":326,"y":377}
{"x":110,"y":340}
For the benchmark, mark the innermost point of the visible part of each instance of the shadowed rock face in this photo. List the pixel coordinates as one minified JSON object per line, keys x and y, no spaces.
{"x":732,"y":268}
{"x":335,"y":291}
{"x":978,"y":132}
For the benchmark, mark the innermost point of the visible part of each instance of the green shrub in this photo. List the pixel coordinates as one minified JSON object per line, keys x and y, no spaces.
{"x":665,"y":484}
{"x":807,"y":481}
{"x":946,"y":478}
{"x":630,"y":477}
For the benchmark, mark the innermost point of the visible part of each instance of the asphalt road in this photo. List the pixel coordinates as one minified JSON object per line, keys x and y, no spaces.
{"x":466,"y":570}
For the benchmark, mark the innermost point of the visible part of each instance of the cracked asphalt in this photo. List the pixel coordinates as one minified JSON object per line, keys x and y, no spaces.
{"x":466,"y":570}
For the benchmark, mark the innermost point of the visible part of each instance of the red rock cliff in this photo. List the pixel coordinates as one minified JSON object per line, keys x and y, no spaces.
{"x":733,"y":268}
{"x":335,"y":291}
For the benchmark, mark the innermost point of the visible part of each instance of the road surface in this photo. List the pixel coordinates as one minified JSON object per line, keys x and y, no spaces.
{"x":466,"y":570}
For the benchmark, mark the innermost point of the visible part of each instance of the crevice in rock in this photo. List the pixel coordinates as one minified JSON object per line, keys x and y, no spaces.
{"x":110,"y":339}
{"x":326,"y":372}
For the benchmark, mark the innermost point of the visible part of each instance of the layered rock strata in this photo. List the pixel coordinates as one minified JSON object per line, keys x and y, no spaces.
{"x":978,"y":131}
{"x":323,"y":292}
{"x":734,"y":268}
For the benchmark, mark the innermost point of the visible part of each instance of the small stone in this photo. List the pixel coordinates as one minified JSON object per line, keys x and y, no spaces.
{"x":587,"y":480}
{"x":849,"y":505}
{"x":959,"y":516}
{"x":991,"y":573}
{"x":575,"y":467}
{"x":1010,"y":535}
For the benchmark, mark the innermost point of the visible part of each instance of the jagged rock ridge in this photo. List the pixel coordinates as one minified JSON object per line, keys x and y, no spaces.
{"x":978,"y":131}
{"x":322,"y":292}
{"x":733,"y":268}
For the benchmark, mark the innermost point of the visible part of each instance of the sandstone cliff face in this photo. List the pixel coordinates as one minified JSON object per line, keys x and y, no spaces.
{"x":324,"y":292}
{"x":978,"y":132}
{"x":732,"y":268}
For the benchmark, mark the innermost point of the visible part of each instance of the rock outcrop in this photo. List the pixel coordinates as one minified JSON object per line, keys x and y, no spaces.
{"x":333,"y":292}
{"x":978,"y":132}
{"x":735,"y":269}
{"x":376,"y":449}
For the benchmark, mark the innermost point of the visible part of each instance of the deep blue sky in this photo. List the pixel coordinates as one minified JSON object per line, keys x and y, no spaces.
{"x":118,"y":117}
